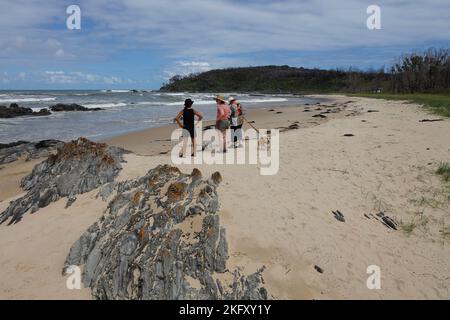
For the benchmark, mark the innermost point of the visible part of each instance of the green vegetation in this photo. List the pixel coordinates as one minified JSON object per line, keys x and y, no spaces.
{"x":408,"y":227}
{"x":444,"y":171}
{"x":421,"y":77}
{"x":279,"y":79}
{"x":437,"y":103}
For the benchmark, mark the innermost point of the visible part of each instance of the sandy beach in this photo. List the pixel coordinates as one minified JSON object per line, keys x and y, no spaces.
{"x":364,"y":157}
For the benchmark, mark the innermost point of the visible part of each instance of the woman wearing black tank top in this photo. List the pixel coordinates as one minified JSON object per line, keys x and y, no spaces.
{"x":188,"y":115}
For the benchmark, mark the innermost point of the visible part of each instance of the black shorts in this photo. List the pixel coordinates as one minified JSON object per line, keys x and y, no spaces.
{"x":189,"y":132}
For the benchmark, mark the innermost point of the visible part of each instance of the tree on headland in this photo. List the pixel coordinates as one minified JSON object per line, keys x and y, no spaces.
{"x":426,"y":72}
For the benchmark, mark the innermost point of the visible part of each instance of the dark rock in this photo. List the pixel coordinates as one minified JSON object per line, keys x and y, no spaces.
{"x":147,"y":246}
{"x":319,"y":116}
{"x":30,"y":150}
{"x":14,"y":111}
{"x":318,"y":269}
{"x":71,"y":107}
{"x":42,"y":112}
{"x":387,"y":221}
{"x":370,"y":111}
{"x":77,"y":167}
{"x":348,"y":135}
{"x":338,"y":215}
{"x":12,"y":144}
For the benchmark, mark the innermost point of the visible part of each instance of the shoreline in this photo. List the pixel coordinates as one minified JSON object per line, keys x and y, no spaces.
{"x":285,"y":222}
{"x":155,"y":141}
{"x":121,"y":113}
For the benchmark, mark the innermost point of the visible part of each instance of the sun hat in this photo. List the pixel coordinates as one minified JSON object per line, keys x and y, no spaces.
{"x":188,"y":102}
{"x":231,"y":99}
{"x":220,"y":98}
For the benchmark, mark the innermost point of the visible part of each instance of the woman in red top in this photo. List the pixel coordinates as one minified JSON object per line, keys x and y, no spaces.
{"x":222,"y":119}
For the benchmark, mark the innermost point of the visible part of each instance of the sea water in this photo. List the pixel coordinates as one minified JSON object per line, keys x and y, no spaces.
{"x":124,"y":111}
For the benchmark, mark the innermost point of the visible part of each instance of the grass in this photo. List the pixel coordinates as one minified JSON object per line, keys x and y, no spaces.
{"x":437,"y":103}
{"x":444,"y":171}
{"x":408,"y":227}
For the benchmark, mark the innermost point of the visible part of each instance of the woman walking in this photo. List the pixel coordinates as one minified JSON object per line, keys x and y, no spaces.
{"x":188,"y":115}
{"x":237,"y":121}
{"x":222,"y":119}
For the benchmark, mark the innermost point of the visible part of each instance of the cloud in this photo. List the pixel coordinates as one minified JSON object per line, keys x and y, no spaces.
{"x":209,"y":28}
{"x":7,"y":78}
{"x":221,"y":33}
{"x":187,"y":67}
{"x":61,"y":77}
{"x":193,"y":28}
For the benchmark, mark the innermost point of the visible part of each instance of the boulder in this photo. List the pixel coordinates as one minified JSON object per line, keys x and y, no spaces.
{"x":76,"y":167}
{"x":10,"y":152}
{"x":71,"y":107}
{"x":161,"y":238}
{"x":14,"y":110}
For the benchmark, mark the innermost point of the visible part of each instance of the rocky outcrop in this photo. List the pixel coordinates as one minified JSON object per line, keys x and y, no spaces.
{"x":71,"y":107}
{"x":14,"y":111}
{"x":77,"y":167}
{"x":11,"y":152}
{"x":160,"y":238}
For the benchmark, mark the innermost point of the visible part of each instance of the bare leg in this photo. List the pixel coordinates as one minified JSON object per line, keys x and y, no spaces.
{"x":183,"y":152}
{"x":194,"y":146}
{"x":224,"y":138}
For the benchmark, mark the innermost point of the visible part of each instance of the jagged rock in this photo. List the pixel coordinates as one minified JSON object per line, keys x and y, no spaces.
{"x":77,"y":167}
{"x":30,"y":150}
{"x":71,"y":107}
{"x":160,"y":238}
{"x":14,"y":111}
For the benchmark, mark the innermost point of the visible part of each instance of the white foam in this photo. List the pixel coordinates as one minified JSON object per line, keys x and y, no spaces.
{"x":37,"y":109}
{"x":115,"y":91}
{"x":26,"y":99}
{"x":105,"y":105}
{"x":211,"y":102}
{"x":263,"y":100}
{"x":174,"y":94}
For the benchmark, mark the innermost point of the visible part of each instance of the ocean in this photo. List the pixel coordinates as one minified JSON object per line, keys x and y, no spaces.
{"x":124,"y":111}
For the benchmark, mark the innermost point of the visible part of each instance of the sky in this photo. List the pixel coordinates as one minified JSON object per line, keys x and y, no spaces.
{"x":142,"y":43}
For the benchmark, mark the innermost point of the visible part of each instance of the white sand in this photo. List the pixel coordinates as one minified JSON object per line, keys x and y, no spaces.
{"x":285,"y":222}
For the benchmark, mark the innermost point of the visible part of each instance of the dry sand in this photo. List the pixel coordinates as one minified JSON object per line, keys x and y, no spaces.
{"x":284,"y":221}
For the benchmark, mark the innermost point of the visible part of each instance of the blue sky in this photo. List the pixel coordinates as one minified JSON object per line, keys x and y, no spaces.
{"x":142,"y":43}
